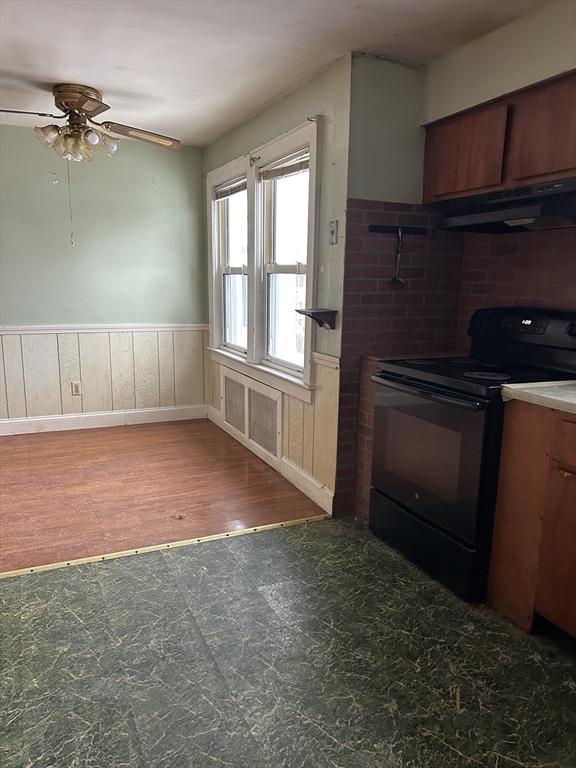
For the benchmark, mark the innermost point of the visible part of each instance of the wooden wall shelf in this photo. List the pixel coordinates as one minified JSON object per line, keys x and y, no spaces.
{"x":325,"y":318}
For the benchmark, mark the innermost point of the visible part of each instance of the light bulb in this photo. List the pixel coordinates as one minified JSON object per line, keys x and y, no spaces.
{"x":47,"y":133}
{"x":109,"y":144}
{"x":91,"y":137}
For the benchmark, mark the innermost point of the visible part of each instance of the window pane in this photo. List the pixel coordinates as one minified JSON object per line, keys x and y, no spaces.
{"x":236,"y":310}
{"x":238,"y":229}
{"x":286,"y":293}
{"x":291,"y":218}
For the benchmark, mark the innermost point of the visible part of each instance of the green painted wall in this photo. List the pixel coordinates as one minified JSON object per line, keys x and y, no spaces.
{"x":386,"y":140}
{"x":139,"y":230}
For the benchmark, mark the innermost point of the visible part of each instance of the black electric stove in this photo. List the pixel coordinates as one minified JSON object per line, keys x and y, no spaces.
{"x":437,"y":435}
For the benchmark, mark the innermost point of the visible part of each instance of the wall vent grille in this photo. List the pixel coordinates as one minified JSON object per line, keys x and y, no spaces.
{"x":252,"y":409}
{"x":263,"y":421}
{"x":234,"y":404}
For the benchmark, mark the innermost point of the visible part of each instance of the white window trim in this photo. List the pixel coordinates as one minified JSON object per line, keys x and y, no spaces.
{"x":215,"y":179}
{"x":254,"y":362}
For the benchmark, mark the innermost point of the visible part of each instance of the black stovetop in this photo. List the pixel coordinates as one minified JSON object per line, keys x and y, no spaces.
{"x":466,"y":374}
{"x":510,"y":345}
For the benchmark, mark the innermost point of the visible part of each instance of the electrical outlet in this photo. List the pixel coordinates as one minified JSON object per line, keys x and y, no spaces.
{"x":76,"y":388}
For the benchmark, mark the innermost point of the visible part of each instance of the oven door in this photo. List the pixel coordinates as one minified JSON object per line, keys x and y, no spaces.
{"x":428,"y":453}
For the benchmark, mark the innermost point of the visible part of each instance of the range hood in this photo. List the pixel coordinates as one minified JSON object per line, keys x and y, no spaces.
{"x":551,"y":205}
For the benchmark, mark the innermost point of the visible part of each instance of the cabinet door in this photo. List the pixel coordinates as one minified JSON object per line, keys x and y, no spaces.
{"x":556,"y":590}
{"x":543,"y":130}
{"x":465,"y":152}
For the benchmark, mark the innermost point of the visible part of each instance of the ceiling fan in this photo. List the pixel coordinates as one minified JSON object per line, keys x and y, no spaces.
{"x":76,"y":140}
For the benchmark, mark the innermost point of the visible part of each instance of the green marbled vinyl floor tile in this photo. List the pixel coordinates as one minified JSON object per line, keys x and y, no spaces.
{"x":314,"y":646}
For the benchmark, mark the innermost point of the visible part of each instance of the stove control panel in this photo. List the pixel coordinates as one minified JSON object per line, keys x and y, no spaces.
{"x":520,"y":324}
{"x":544,"y":338}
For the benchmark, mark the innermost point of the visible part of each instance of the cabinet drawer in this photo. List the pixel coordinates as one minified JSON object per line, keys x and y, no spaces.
{"x":564,"y":441}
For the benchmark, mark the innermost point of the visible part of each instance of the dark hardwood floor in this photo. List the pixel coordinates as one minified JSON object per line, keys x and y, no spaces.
{"x":70,"y":495}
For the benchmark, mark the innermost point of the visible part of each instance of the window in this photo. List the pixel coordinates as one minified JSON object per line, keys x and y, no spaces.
{"x":231,"y":214}
{"x":262,"y":247}
{"x":284,"y":190}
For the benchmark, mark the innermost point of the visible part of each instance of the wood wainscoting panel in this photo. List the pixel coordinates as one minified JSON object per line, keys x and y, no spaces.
{"x":285,"y":424}
{"x":41,"y":374}
{"x":326,"y":425}
{"x":216,"y":395}
{"x":207,"y":368}
{"x":119,"y":369}
{"x":122,"y":363}
{"x":69,"y":359}
{"x":95,"y":372}
{"x":14,"y":376}
{"x":166,"y":367}
{"x":308,"y":438}
{"x":188,"y":374}
{"x":3,"y":400}
{"x":295,"y":430}
{"x":146,"y":374}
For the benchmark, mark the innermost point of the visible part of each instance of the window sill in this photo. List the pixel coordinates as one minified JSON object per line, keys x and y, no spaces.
{"x":291,"y":385}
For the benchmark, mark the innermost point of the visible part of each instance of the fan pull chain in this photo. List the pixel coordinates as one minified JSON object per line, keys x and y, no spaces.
{"x":72,"y":243}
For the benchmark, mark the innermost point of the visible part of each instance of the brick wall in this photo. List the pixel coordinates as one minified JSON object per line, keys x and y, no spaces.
{"x":364,"y":442}
{"x":448,"y":276}
{"x":381,"y":318}
{"x":536,"y":269}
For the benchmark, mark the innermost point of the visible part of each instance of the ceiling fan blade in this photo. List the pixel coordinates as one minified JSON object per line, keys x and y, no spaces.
{"x":138,"y":133}
{"x":38,"y":114}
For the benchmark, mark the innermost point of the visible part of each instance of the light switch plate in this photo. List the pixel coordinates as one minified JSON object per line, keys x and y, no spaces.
{"x":333,"y":236}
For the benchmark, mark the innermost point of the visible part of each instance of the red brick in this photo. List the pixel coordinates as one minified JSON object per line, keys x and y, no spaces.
{"x":359,"y":204}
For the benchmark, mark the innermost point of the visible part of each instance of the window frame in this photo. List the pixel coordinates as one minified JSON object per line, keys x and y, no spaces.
{"x":266,"y":191}
{"x":223,"y":246}
{"x":259,"y":254}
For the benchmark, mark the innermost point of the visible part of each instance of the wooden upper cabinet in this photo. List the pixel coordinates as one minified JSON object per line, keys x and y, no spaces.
{"x":528,"y":136}
{"x":543,"y":130}
{"x":465,"y":152}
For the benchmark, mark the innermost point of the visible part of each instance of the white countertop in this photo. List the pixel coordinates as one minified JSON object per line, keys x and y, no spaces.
{"x":560,"y":395}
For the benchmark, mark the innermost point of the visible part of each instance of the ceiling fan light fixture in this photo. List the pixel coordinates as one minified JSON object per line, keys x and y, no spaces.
{"x":47,"y":134}
{"x":71,"y":145}
{"x":76,"y":140}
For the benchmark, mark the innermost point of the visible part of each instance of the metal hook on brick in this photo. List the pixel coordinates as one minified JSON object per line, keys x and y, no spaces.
{"x":385,"y":229}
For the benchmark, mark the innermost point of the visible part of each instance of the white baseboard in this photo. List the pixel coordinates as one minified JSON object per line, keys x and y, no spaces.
{"x":105,"y":419}
{"x":309,"y":486}
{"x":168,"y":413}
{"x":319,"y":493}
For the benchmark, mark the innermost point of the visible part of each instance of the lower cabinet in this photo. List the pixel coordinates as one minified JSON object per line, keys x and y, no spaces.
{"x":556,"y":589}
{"x":533,"y":561}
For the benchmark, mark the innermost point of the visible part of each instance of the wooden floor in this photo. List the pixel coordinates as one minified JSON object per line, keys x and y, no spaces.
{"x":70,"y":495}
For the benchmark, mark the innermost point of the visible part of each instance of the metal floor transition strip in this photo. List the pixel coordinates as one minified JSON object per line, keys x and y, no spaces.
{"x":155,"y":547}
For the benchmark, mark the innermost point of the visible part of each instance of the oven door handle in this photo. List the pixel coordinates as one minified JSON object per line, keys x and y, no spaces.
{"x":468,"y":405}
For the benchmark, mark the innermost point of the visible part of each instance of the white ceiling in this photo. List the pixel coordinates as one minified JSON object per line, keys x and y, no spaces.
{"x":195,"y":68}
